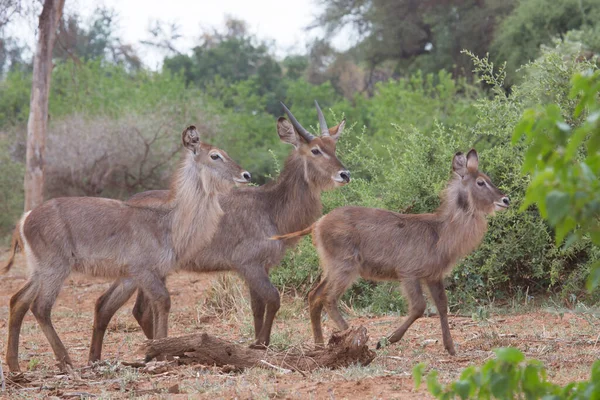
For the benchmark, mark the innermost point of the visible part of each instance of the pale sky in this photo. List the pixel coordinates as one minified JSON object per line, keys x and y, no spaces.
{"x":281,"y":21}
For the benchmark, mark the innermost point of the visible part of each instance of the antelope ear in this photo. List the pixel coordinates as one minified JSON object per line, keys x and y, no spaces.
{"x":472,"y":161}
{"x":287,"y":133}
{"x":336,"y":131}
{"x":459,"y":164}
{"x":191,"y":138}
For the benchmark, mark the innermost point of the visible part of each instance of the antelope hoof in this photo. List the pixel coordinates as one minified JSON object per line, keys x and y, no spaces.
{"x":13,"y":366}
{"x":93,"y":360}
{"x":258,"y":345}
{"x":67,"y":368}
{"x":451,"y":350}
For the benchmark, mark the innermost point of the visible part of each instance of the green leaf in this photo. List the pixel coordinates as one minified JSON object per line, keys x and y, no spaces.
{"x":509,"y":355}
{"x":563,"y":228}
{"x":531,"y":379}
{"x":468,"y":372}
{"x":594,"y":143}
{"x":587,"y":172}
{"x":418,"y":374}
{"x":557,"y":205}
{"x":571,"y":240}
{"x":523,"y":126}
{"x":578,"y":136}
{"x":595,"y":235}
{"x":593,"y":280}
{"x":500,"y":385}
{"x":595,"y":371}
{"x":531,"y":157}
{"x":463,"y":388}
{"x":433,"y":385}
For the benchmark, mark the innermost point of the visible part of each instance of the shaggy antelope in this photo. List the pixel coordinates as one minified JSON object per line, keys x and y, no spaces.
{"x":383,"y":245}
{"x":109,"y":238}
{"x":252,"y":215}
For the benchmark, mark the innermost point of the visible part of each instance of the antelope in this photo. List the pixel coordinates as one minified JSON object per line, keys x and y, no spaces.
{"x":252,"y":215}
{"x":111,"y":239}
{"x":379,"y":244}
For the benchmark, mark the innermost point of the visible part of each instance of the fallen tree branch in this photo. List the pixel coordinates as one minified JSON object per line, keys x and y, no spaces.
{"x":344,"y":349}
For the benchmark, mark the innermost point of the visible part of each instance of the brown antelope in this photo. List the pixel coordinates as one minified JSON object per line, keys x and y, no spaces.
{"x":252,"y":215}
{"x":384,"y":245}
{"x":110,"y":238}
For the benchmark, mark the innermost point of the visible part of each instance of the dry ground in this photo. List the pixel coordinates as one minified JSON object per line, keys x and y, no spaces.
{"x":567,"y":342}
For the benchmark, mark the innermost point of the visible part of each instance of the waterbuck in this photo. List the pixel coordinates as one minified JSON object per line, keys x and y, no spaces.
{"x":252,"y":215}
{"x":384,"y":245}
{"x":109,"y":238}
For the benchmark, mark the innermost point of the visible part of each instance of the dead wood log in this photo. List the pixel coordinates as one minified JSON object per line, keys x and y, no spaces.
{"x":344,"y":349}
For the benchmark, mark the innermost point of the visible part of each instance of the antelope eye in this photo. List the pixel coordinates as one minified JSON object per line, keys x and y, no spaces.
{"x":215,"y":156}
{"x":316,"y":151}
{"x":481,"y":183}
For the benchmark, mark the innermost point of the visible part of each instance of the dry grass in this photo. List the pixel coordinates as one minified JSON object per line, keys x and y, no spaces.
{"x":226,"y":297}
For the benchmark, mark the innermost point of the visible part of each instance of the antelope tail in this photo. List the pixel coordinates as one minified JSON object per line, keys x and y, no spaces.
{"x":292,"y":235}
{"x":15,"y":244}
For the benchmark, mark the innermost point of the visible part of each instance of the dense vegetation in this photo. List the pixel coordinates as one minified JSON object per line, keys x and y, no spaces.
{"x":565,"y":164}
{"x":510,"y":376}
{"x":114,"y":125}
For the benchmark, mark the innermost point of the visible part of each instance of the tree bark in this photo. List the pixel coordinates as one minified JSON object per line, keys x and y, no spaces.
{"x":38,"y":112}
{"x":344,"y":349}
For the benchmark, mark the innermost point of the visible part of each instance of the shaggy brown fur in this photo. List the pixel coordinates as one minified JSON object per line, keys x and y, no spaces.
{"x":383,"y":245}
{"x":110,"y":238}
{"x":252,"y":215}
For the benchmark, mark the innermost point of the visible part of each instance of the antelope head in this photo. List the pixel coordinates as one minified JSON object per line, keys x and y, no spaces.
{"x":213,"y":160}
{"x":322,"y":168}
{"x":476,"y":191}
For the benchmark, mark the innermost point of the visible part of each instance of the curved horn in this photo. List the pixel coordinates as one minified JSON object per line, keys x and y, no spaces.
{"x":322,"y":123}
{"x":299,"y":128}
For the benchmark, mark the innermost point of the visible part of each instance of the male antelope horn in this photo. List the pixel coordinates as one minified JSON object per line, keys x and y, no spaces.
{"x":299,"y":128}
{"x":322,"y":123}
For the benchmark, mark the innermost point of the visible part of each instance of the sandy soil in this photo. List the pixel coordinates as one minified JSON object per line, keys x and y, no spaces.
{"x":567,"y":343}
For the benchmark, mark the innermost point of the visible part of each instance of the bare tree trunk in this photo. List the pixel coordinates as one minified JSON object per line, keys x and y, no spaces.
{"x":38,"y":112}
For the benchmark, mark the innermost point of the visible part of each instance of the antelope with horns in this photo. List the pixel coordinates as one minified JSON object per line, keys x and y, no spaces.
{"x":110,"y":238}
{"x":414,"y":249}
{"x":252,"y":215}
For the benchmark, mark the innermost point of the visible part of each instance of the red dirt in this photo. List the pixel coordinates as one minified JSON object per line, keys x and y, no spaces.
{"x":567,"y":344}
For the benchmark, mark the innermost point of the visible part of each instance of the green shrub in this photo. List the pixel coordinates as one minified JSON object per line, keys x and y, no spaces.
{"x":563,"y":155}
{"x":509,"y":376}
{"x":15,"y":92}
{"x":536,"y":22}
{"x":11,"y":190}
{"x":406,"y":170}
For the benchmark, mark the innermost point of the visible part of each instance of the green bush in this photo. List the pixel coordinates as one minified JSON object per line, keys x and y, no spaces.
{"x":406,"y":168}
{"x":15,"y":92}
{"x":563,"y":155}
{"x":11,"y":190}
{"x":509,"y":376}
{"x":536,"y":22}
